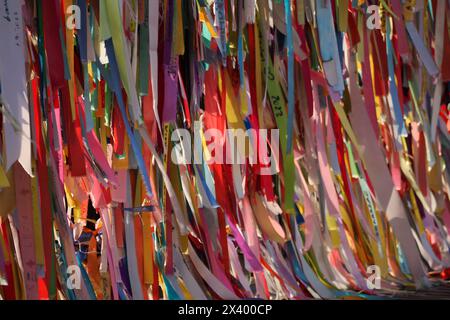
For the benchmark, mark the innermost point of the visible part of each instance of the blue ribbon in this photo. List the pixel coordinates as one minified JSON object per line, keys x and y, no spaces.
{"x":392,"y":86}
{"x":290,"y":53}
{"x":113,"y":81}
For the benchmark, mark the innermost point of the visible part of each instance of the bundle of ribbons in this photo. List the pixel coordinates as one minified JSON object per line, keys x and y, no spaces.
{"x":111,"y":184}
